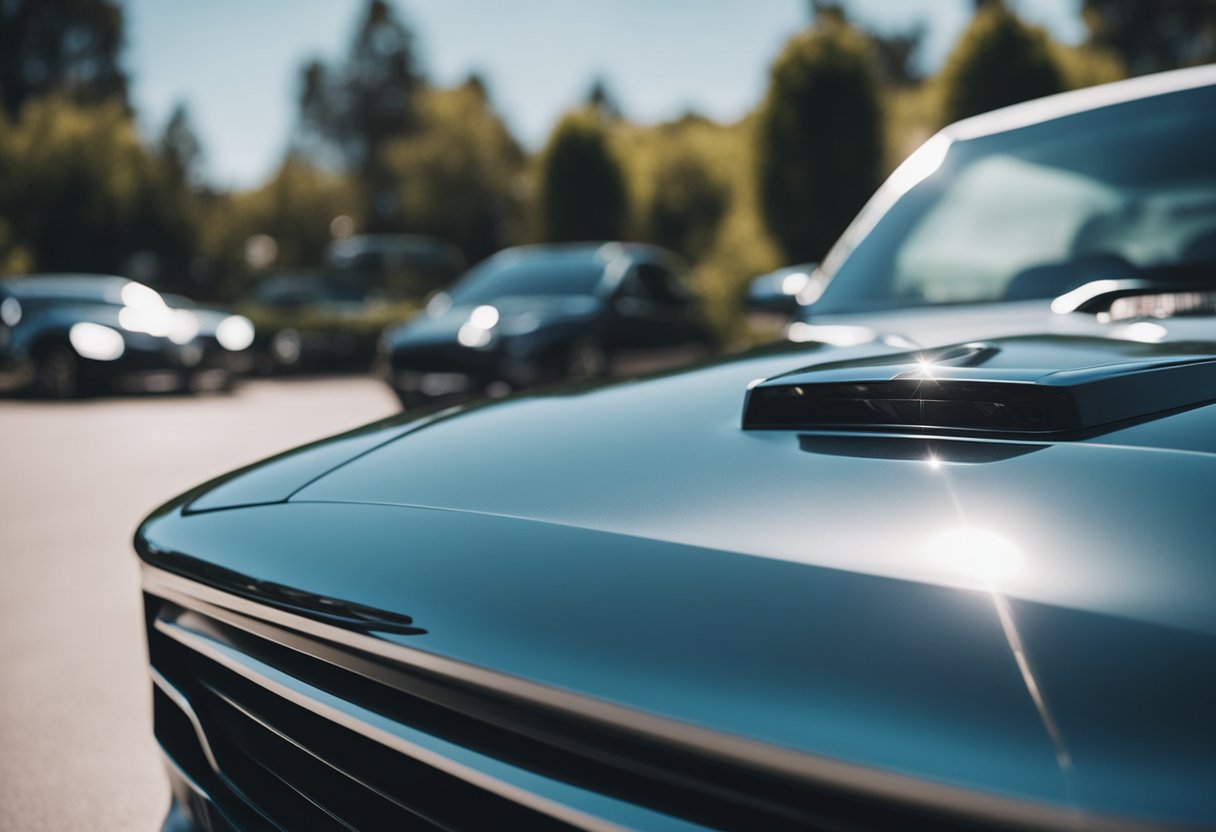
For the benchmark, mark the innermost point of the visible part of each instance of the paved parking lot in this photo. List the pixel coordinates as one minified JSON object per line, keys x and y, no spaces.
{"x":76,"y":749}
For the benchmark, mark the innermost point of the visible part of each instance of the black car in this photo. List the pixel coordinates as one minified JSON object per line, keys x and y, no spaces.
{"x":848,"y":583}
{"x":312,"y":321}
{"x":407,"y":264}
{"x":66,"y":335}
{"x":535,"y":315}
{"x":221,"y":327}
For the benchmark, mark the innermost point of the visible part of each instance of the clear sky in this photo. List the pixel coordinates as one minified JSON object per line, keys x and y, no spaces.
{"x":236,"y":62}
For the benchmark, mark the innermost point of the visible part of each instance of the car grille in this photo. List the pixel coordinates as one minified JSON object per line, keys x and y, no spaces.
{"x":273,"y":743}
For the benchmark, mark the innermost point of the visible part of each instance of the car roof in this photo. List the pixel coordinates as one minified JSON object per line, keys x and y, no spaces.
{"x":404,"y":245}
{"x":1082,"y":100}
{"x":606,"y":250}
{"x":101,"y":287}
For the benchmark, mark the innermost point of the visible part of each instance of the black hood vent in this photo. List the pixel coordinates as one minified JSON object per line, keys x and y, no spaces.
{"x":1030,"y":387}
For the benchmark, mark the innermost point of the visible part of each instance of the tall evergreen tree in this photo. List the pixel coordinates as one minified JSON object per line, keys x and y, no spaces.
{"x":582,"y":192}
{"x":819,"y":138}
{"x":180,"y":150}
{"x":601,"y":100}
{"x":349,"y":113}
{"x":998,"y":61}
{"x":1155,"y":36}
{"x":71,"y":47}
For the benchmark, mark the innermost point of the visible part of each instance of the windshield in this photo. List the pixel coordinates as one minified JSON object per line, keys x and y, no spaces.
{"x":551,"y":273}
{"x":1123,"y":191}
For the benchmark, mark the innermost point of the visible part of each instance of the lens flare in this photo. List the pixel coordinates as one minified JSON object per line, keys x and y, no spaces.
{"x":96,"y":342}
{"x":235,"y":333}
{"x":978,"y":554}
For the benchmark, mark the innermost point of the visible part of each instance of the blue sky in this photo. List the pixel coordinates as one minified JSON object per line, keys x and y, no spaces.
{"x":235,"y":62}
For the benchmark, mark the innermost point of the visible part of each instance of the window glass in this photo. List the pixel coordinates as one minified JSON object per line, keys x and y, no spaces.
{"x":1127,"y":190}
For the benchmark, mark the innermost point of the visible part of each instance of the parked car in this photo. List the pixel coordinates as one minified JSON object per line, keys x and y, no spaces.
{"x":221,"y":328}
{"x":1001,"y":217}
{"x":332,"y":318}
{"x":310,"y":321}
{"x":775,"y":298}
{"x":66,"y":335}
{"x":847,"y":583}
{"x":409,"y":265}
{"x":540,"y":314}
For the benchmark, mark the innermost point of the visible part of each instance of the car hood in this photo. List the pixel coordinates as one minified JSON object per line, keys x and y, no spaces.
{"x":517,"y":316}
{"x":1030,"y":620}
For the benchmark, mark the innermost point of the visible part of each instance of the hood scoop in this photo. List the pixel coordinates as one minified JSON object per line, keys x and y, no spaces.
{"x":1034,"y":387}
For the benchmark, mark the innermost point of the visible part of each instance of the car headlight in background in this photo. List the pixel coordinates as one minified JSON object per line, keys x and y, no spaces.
{"x":97,"y":342}
{"x":152,"y":320}
{"x":184,"y":327}
{"x":478,"y":331}
{"x":10,"y":312}
{"x":144,"y":310}
{"x":235,"y":333}
{"x":141,"y":297}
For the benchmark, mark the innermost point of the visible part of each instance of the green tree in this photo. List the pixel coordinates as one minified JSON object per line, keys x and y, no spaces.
{"x":81,"y":192}
{"x":296,"y":209}
{"x":14,"y":257}
{"x":1150,"y":37}
{"x":351,"y":112}
{"x":180,"y":151}
{"x":70,"y":47}
{"x":998,"y":61}
{"x":457,"y":176}
{"x":689,"y":201}
{"x":1087,"y":65}
{"x":820,"y":138}
{"x":582,"y":193}
{"x":601,"y":100}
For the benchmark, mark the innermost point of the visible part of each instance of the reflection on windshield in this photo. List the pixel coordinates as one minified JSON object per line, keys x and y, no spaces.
{"x":969,"y":246}
{"x":1122,"y":191}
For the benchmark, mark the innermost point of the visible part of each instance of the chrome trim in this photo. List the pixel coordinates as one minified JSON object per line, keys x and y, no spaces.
{"x":737,"y":750}
{"x":179,"y":699}
{"x":351,"y":722}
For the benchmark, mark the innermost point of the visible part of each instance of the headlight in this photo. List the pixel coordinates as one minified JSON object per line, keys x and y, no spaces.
{"x":235,"y":333}
{"x":157,"y":321}
{"x":184,"y":327}
{"x":478,"y":331}
{"x":10,"y":311}
{"x":97,"y":342}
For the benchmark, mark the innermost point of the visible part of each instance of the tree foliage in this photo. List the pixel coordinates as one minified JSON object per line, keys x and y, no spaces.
{"x":601,"y":100}
{"x":180,"y":151}
{"x":998,"y":61}
{"x":690,"y":198}
{"x":819,"y":139}
{"x":1150,"y":37}
{"x":457,"y":176}
{"x":82,"y":193}
{"x":70,"y":47}
{"x":1087,"y":65}
{"x":351,"y":112}
{"x":582,"y":193}
{"x":296,"y":209}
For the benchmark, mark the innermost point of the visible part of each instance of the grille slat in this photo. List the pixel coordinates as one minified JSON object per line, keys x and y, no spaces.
{"x":301,"y":770}
{"x":350,"y":801}
{"x":360,"y":782}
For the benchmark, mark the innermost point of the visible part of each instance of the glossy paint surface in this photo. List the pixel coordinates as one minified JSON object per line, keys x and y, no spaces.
{"x":1022,"y":619}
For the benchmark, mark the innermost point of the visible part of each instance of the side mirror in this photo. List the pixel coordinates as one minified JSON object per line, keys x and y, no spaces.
{"x":780,"y":294}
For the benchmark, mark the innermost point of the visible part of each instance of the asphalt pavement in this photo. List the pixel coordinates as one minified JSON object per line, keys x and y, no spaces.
{"x":76,"y":745}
